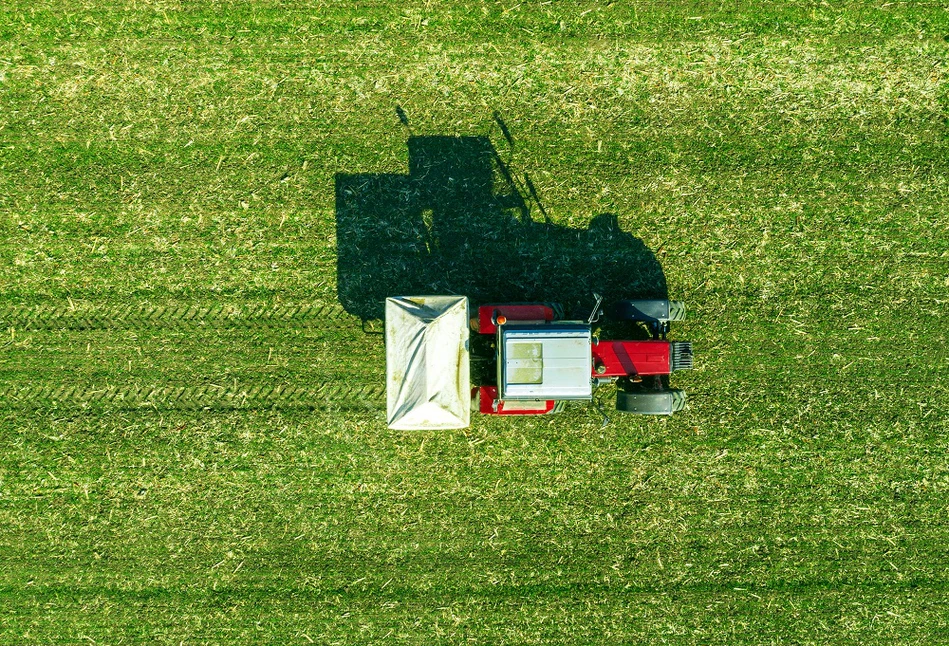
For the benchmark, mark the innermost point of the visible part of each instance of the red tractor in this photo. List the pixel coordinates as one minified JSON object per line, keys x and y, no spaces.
{"x":540,"y":360}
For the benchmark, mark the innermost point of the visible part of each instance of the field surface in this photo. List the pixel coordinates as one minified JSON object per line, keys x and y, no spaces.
{"x":202,"y":206}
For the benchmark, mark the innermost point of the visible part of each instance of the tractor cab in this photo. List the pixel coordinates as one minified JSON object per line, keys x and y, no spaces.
{"x":544,"y":361}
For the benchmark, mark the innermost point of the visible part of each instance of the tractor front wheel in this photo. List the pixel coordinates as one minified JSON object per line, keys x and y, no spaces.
{"x":650,"y":402}
{"x":648,"y":311}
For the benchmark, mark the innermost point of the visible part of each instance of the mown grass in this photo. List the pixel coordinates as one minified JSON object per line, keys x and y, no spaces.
{"x":785,"y":162}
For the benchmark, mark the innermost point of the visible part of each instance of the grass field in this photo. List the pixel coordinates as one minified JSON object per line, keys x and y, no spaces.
{"x":192,"y":446}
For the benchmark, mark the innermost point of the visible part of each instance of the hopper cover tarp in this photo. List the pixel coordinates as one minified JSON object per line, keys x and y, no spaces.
{"x":427,"y":362}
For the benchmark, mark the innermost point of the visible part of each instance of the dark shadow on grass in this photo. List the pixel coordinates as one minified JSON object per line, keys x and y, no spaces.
{"x":460,"y":223}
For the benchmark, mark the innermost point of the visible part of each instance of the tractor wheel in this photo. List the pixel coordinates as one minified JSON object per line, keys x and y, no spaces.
{"x":650,"y":402}
{"x":648,"y":310}
{"x":559,"y":312}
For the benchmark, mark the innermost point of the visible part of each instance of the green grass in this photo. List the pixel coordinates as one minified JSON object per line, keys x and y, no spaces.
{"x":786,"y":163}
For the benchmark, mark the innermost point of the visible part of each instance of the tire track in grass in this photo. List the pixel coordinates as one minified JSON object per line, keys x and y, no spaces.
{"x":96,"y":317}
{"x":309,"y":343}
{"x":329,"y":395}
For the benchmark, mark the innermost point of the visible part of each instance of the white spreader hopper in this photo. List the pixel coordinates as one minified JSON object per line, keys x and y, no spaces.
{"x":428,"y":381}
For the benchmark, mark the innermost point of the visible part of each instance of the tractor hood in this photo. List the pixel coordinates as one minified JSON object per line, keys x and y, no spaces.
{"x":428,"y":382}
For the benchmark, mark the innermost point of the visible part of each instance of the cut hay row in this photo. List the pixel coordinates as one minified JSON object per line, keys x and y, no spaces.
{"x":96,"y":317}
{"x":332,"y":395}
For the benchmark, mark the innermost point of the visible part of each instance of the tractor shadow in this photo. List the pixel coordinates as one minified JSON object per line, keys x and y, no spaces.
{"x":460,"y":223}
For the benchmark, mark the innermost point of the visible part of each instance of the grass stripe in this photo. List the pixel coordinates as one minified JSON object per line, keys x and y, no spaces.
{"x":97,"y":317}
{"x":324,"y":396}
